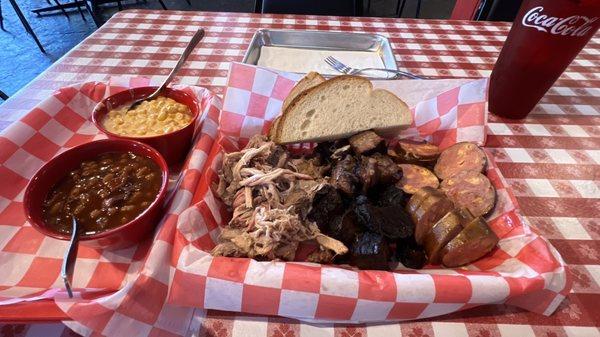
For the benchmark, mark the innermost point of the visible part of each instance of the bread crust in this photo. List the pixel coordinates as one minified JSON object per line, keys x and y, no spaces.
{"x":303,"y":94}
{"x":299,"y":87}
{"x":311,"y":76}
{"x":277,"y":134}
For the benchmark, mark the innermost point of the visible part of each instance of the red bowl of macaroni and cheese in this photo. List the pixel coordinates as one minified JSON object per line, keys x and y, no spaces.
{"x":166,"y":123}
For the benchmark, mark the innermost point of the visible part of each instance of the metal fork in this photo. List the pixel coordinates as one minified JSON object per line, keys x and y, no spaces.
{"x":342,"y":68}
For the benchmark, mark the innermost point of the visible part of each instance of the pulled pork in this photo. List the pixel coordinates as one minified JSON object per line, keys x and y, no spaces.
{"x":270,"y":195}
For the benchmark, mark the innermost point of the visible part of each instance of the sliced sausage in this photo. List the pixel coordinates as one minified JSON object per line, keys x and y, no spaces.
{"x":432,"y":209}
{"x":391,"y":152}
{"x":472,"y":190}
{"x":417,"y":198}
{"x":415,"y":177}
{"x":445,"y":230}
{"x":413,"y":150}
{"x":472,"y":243}
{"x":460,"y":157}
{"x":366,"y":142}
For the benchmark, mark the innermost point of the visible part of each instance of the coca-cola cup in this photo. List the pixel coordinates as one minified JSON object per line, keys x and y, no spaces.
{"x":544,"y":39}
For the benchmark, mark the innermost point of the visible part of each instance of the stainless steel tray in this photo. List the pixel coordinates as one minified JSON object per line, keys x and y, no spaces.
{"x":321,"y":41}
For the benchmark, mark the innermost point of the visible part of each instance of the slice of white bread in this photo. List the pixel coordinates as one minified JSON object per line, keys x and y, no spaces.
{"x":339,"y":108}
{"x":310,"y":80}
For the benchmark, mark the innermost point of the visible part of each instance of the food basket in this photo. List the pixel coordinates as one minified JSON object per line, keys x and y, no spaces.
{"x":524,"y":270}
{"x":153,"y":288}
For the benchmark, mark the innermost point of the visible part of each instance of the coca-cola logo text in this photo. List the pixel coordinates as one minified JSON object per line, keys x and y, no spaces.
{"x":574,"y":25}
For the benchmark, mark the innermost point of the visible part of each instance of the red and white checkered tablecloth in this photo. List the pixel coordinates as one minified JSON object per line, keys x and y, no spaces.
{"x":551,"y":159}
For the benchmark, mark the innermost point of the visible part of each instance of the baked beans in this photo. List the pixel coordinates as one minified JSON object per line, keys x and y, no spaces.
{"x":103,"y":193}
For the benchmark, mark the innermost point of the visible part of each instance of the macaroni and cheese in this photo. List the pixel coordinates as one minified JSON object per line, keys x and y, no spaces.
{"x":150,"y":118}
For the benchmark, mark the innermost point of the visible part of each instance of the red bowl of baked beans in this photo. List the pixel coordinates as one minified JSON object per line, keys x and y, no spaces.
{"x":114,"y":188}
{"x":166,"y":123}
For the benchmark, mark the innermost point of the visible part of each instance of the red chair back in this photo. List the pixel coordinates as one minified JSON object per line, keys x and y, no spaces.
{"x":465,"y":9}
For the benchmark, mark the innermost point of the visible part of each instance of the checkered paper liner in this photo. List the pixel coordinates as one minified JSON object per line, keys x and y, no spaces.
{"x":525,"y":270}
{"x":175,"y":270}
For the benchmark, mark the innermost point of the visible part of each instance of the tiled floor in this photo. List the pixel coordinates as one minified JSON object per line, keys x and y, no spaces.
{"x":21,"y":61}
